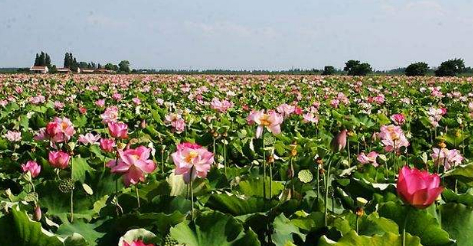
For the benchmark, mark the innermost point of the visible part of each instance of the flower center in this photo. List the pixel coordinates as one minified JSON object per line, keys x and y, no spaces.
{"x":265,"y":120}
{"x":191,"y":156}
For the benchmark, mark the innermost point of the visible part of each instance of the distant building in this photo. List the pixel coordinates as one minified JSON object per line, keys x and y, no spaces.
{"x":85,"y":70}
{"x":39,"y":69}
{"x":103,"y":70}
{"x":63,"y":70}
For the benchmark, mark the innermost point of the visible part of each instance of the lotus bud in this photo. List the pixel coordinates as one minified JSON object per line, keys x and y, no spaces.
{"x":37,"y":213}
{"x":339,"y":142}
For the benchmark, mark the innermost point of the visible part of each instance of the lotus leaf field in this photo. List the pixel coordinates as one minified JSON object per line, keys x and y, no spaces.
{"x":141,"y":160}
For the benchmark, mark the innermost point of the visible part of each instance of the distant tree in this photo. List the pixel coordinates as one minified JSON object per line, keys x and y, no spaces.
{"x":417,"y":69}
{"x":99,"y":66}
{"x":354,"y":67}
{"x":450,"y":68}
{"x":124,"y":66}
{"x":53,"y":69}
{"x":328,"y":70}
{"x":350,"y":66}
{"x":110,"y":66}
{"x":47,"y":61}
{"x":36,"y":60}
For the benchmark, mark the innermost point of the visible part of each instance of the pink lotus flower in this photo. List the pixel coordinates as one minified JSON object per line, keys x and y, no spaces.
{"x":447,"y":158}
{"x":136,"y":243}
{"x":309,"y":117}
{"x":418,"y":188}
{"x":32,"y":167}
{"x":110,"y":115}
{"x":13,"y":136}
{"x":176,"y":122}
{"x":89,"y":138}
{"x":107,"y":144}
{"x":369,"y":158}
{"x":59,"y":159}
{"x":271,"y":121}
{"x":398,"y":119}
{"x":393,"y":138}
{"x":285,"y":110}
{"x":60,"y":130}
{"x":134,"y":164}
{"x":136,"y":101}
{"x":192,"y":160}
{"x":100,"y":103}
{"x":220,"y":106}
{"x":118,"y":130}
{"x":339,"y":141}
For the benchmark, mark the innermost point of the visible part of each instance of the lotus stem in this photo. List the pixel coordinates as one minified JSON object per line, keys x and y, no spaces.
{"x":327,"y":181}
{"x":137,"y":196}
{"x":264,"y":168}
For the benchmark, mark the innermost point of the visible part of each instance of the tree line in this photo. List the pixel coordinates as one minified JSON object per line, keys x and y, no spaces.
{"x":43,"y":59}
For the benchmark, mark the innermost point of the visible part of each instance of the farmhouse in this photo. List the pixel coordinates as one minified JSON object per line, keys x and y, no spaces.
{"x":85,"y":70}
{"x":63,"y":70}
{"x":39,"y":69}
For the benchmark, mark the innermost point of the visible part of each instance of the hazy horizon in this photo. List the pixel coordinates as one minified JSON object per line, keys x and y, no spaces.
{"x":238,"y":35}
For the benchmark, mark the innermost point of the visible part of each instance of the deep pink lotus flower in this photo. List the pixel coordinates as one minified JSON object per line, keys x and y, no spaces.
{"x":60,"y":130}
{"x":89,"y":138}
{"x":271,"y":121}
{"x":192,"y":160}
{"x":136,"y":243}
{"x":418,"y":188}
{"x":134,"y":164}
{"x":32,"y":167}
{"x":368,"y":158}
{"x":107,"y":144}
{"x":339,"y":141}
{"x":59,"y":159}
{"x":118,"y":130}
{"x":398,"y":119}
{"x":393,"y":138}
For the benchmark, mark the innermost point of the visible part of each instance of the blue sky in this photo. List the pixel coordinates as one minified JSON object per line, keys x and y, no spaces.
{"x":237,"y":34}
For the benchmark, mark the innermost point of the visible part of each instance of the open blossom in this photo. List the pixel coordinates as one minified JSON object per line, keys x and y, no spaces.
{"x":59,"y":130}
{"x":100,"y":103}
{"x":118,"y":130}
{"x":398,"y":119}
{"x":13,"y":136}
{"x":435,"y":115}
{"x":133,"y":164}
{"x":286,"y":110}
{"x":192,"y":160}
{"x":59,"y":159}
{"x":221,"y":106}
{"x":110,"y":115}
{"x":418,"y":188}
{"x":310,"y":118}
{"x":271,"y":121}
{"x":447,"y":158}
{"x":32,"y":167}
{"x":89,"y":138}
{"x":368,"y":158}
{"x":136,"y":243}
{"x":393,"y":138}
{"x":136,"y":101}
{"x":176,"y":122}
{"x":107,"y":144}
